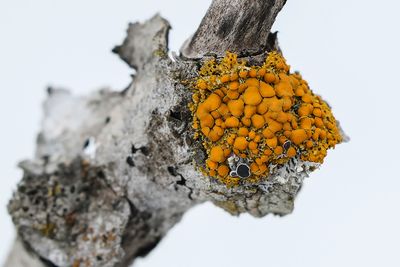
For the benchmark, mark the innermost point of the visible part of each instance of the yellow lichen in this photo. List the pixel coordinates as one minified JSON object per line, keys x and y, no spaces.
{"x":264,"y":114}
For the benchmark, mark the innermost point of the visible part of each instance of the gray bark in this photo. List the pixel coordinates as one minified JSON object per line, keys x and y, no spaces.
{"x":237,"y":26}
{"x":114,"y":171}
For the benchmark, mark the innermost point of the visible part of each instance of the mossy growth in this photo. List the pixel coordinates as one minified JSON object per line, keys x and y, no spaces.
{"x":263,"y":114}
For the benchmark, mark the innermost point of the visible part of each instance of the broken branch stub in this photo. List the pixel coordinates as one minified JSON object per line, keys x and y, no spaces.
{"x":114,"y":171}
{"x":242,"y":27}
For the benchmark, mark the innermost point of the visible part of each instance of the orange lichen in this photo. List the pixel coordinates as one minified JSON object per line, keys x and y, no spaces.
{"x":257,"y":121}
{"x":223,"y":170}
{"x":243,"y":131}
{"x":240,"y":143}
{"x":266,"y":90}
{"x":252,"y":96}
{"x":264,"y":114}
{"x":232,"y":122}
{"x":217,"y":154}
{"x":236,"y":107}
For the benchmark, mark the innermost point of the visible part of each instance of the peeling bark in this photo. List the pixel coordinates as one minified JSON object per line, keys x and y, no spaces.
{"x":114,"y":171}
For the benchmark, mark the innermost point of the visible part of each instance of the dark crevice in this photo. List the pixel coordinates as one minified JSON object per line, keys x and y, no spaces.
{"x":143,"y":149}
{"x":47,"y":263}
{"x":101,"y":175}
{"x":86,"y":144}
{"x":176,"y":115}
{"x":133,"y":149}
{"x":172,"y":171}
{"x":182,"y":182}
{"x":130,"y":161}
{"x":143,"y":251}
{"x":132,"y":207}
{"x":137,"y":239}
{"x":190,"y":193}
{"x":178,"y":119}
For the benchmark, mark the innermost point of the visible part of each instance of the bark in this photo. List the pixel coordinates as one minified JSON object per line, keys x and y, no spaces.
{"x":114,"y":171}
{"x":238,"y":26}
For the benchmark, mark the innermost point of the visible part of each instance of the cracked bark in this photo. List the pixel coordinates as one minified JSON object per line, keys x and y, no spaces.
{"x":114,"y":171}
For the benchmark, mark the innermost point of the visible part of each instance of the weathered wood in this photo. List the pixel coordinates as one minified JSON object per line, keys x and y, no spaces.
{"x":114,"y":171}
{"x":238,"y":26}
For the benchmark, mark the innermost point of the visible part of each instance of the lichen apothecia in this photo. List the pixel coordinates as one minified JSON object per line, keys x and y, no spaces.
{"x":261,"y":115}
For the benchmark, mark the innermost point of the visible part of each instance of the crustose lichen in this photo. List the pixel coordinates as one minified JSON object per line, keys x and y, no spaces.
{"x":259,"y":116}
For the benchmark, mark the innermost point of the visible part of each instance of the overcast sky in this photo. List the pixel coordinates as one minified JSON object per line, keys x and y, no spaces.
{"x":347,"y":214}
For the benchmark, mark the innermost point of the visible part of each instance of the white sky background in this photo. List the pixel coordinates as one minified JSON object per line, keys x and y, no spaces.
{"x":347,"y":214}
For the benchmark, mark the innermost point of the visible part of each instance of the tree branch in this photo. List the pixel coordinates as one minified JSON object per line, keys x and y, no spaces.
{"x":238,"y":26}
{"x":114,"y":171}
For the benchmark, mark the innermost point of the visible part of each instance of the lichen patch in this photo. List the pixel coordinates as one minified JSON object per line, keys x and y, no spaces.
{"x":261,"y":115}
